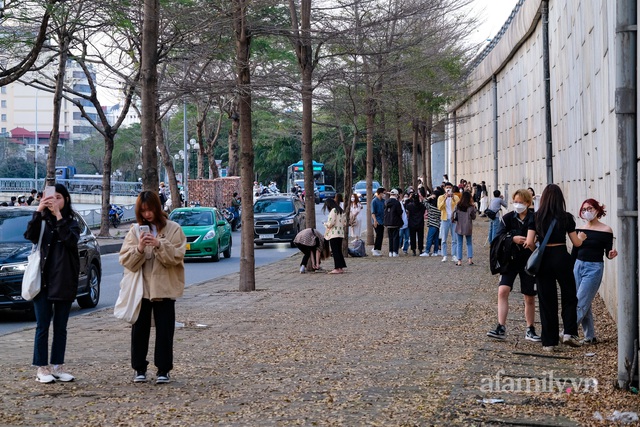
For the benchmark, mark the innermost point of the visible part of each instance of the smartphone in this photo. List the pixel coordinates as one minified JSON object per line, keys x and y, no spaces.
{"x":49,"y":190}
{"x":144,"y":229}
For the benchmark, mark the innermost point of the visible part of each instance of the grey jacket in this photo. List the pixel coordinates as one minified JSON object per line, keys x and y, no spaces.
{"x":464,"y":224}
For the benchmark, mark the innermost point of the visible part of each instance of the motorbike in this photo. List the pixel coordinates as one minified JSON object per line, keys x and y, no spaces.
{"x":232,"y":215}
{"x":115,"y":215}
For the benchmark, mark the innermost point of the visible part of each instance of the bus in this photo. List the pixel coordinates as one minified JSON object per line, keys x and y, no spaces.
{"x":295,"y":172}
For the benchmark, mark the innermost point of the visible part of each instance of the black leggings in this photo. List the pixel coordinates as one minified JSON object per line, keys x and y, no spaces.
{"x":557,"y":266}
{"x":418,"y":233}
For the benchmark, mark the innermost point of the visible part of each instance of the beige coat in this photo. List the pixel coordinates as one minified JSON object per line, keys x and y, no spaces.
{"x":334,"y":227}
{"x":163,"y":267}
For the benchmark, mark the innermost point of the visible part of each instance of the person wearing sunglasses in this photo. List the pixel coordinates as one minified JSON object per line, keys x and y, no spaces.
{"x":589,"y":265}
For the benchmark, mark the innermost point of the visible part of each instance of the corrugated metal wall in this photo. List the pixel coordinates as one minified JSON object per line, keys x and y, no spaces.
{"x":582,"y":67}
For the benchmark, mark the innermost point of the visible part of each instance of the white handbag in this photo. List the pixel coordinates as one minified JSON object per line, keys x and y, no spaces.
{"x":31,"y":281}
{"x":129,"y":299}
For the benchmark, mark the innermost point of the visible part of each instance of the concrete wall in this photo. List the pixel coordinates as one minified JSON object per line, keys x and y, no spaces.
{"x":582,"y":70}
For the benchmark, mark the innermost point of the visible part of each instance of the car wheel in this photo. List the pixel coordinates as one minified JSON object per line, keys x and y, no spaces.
{"x":91,"y":299}
{"x":259,"y":244}
{"x":227,"y":253}
{"x":30,"y":314}
{"x":293,"y":245}
{"x":216,"y":256}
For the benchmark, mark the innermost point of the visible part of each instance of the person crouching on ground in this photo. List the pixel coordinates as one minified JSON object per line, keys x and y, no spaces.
{"x":160,"y":255}
{"x":60,"y":264}
{"x":312,"y":244}
{"x":518,"y":223}
{"x":334,"y":233}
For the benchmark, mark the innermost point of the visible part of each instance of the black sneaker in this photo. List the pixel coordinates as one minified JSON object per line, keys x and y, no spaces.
{"x":163,"y":378}
{"x":500,"y":332}
{"x":141,"y":377}
{"x":531,"y":335}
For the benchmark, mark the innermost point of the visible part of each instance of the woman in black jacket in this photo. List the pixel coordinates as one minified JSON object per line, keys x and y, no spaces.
{"x":415,"y":212}
{"x":60,"y":266}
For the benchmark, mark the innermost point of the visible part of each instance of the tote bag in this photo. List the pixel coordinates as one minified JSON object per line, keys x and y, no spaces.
{"x":129,"y":299}
{"x":535,"y":259}
{"x":31,"y":281}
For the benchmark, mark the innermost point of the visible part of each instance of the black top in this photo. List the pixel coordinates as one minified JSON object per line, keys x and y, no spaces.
{"x":511,"y":223}
{"x":560,"y":231}
{"x":597,"y":245}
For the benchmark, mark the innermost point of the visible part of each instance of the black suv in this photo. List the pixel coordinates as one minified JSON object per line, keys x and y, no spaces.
{"x":14,"y":249}
{"x":277,"y":219}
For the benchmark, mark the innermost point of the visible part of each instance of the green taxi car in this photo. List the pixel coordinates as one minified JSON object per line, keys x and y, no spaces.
{"x":208,"y":233}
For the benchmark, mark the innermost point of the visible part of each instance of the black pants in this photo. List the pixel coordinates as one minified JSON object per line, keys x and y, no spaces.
{"x":164,"y":315}
{"x":377,"y":244}
{"x":336,"y":250}
{"x":394,"y":239}
{"x":306,"y":253}
{"x":418,"y":233}
{"x":557,"y":265}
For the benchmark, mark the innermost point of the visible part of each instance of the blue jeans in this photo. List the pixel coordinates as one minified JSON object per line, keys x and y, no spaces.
{"x":45,"y":310}
{"x":493,"y":228}
{"x":433,"y":238}
{"x":446,"y":227}
{"x":588,"y":278}
{"x":404,"y":238}
{"x":469,"y":246}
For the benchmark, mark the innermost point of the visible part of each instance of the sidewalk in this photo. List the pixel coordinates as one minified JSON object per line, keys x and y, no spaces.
{"x":395,"y":341}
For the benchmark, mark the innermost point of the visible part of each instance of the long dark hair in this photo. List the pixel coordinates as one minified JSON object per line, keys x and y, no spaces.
{"x":552,"y":205}
{"x":465,"y":201}
{"x":152,"y":202}
{"x":330,"y":204}
{"x":67,"y":210}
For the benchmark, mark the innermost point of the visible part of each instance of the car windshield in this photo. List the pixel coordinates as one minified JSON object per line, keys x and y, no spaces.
{"x":13,"y":225}
{"x":192,"y":218}
{"x":328,"y":188}
{"x":273,"y":206}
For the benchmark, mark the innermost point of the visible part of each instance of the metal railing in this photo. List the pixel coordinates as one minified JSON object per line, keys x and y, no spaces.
{"x":81,"y":186}
{"x":92,"y":216}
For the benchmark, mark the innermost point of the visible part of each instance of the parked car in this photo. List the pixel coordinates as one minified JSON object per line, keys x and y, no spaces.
{"x":326,"y":192}
{"x":208,"y":233}
{"x":277,"y":219}
{"x":361,"y":189}
{"x":14,"y":249}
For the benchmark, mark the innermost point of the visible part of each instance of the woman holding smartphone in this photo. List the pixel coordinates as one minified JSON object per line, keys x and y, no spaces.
{"x":157,"y":246}
{"x":60,"y":267}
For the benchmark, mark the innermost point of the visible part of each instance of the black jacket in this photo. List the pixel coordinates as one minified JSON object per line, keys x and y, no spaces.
{"x":59,"y":262}
{"x":511,"y":224}
{"x":393,"y":213}
{"x":415,"y":213}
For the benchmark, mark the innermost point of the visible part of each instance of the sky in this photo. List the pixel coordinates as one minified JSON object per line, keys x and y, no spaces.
{"x":493,"y":14}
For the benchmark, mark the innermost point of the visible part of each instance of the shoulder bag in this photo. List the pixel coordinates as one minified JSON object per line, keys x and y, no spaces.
{"x":533,"y":263}
{"x":31,"y":281}
{"x":127,"y":306}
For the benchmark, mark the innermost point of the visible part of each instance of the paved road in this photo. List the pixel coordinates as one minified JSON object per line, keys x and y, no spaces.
{"x":196,"y":271}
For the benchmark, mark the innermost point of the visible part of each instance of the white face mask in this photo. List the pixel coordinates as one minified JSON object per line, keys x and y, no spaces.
{"x":353,"y":199}
{"x":588,"y":216}
{"x":519,"y":207}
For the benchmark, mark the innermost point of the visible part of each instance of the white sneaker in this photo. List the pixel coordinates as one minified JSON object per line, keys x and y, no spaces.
{"x":44,"y":375}
{"x":444,"y":258}
{"x":440,"y":252}
{"x":395,"y":254}
{"x":390,"y":254}
{"x":424,"y":254}
{"x":375,"y":252}
{"x":60,"y":375}
{"x":454,"y":259}
{"x":302,"y":269}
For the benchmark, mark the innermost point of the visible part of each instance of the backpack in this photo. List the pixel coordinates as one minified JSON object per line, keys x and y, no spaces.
{"x":358,"y":249}
{"x":500,"y":254}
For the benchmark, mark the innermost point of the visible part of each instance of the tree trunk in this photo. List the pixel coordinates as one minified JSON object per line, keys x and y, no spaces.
{"x":243,"y":44}
{"x":426,"y":152}
{"x":106,"y":183}
{"x":54,"y":136}
{"x":149,"y":95}
{"x":167,"y":161}
{"x":371,"y":115}
{"x":232,"y":168}
{"x":414,"y":157}
{"x":400,"y":151}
